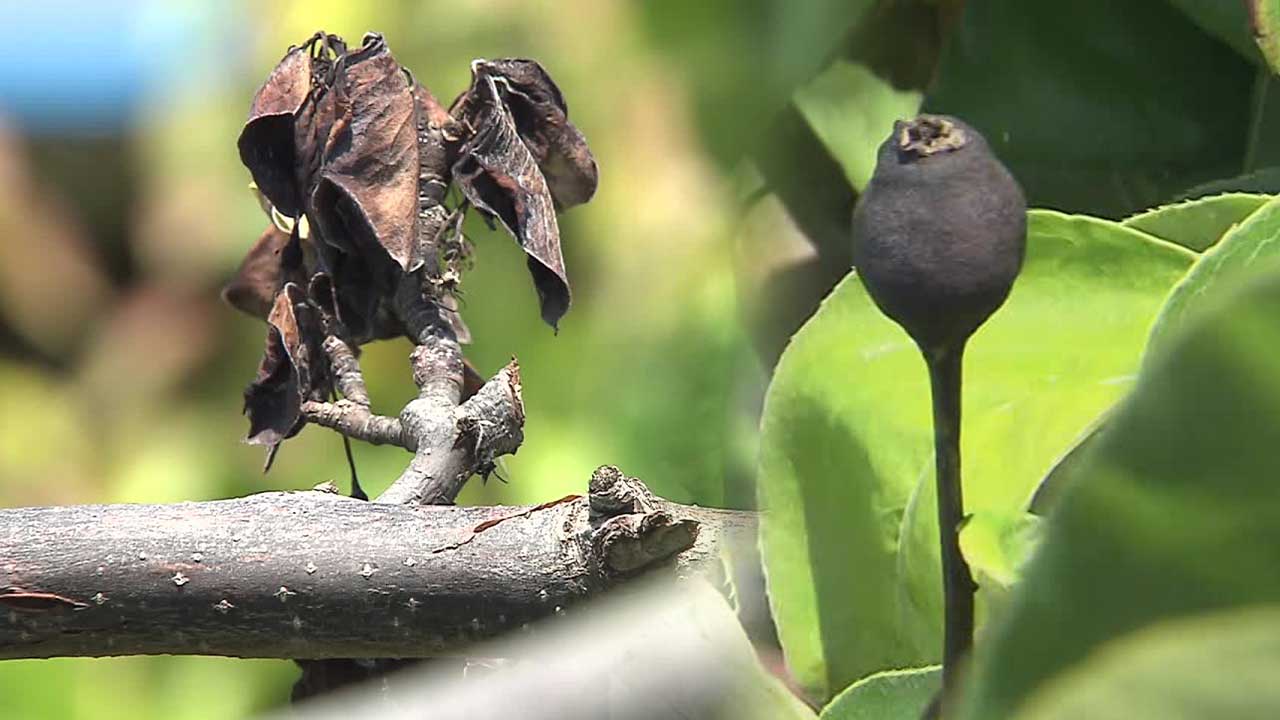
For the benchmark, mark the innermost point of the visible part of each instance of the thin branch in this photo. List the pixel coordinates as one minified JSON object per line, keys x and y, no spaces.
{"x":356,"y":421}
{"x":346,"y":370}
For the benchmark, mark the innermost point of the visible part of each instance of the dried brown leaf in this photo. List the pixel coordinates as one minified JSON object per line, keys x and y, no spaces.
{"x":367,"y":196}
{"x":542,"y":120}
{"x":254,"y":287}
{"x":267,"y":141}
{"x":499,"y":176}
{"x":292,"y":370}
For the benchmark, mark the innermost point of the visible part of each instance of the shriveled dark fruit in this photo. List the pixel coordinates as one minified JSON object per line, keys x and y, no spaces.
{"x":940,"y":232}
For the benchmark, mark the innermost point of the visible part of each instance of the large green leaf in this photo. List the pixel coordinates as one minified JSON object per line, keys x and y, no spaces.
{"x":851,"y":110}
{"x":850,"y":538}
{"x":1197,"y":224}
{"x":1227,"y":21}
{"x":1249,"y":237}
{"x":1077,"y":98}
{"x":1174,"y":511}
{"x":1244,"y":248}
{"x":889,"y":695}
{"x":1220,"y":665}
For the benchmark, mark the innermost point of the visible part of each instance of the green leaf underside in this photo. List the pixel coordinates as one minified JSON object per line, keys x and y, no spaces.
{"x":1197,"y":224}
{"x":1217,"y":665}
{"x":889,"y":695}
{"x":1174,"y":511}
{"x":852,"y":111}
{"x":1246,"y":247}
{"x":850,"y":540}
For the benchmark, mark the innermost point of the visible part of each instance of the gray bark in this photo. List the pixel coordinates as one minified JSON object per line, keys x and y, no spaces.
{"x":316,"y":575}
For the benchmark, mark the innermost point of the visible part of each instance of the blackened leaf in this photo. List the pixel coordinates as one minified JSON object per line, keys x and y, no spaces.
{"x":357,"y":296}
{"x":542,"y":120}
{"x":368,"y":191}
{"x":499,"y":176}
{"x":291,"y":370}
{"x":267,"y":141}
{"x":325,"y":298}
{"x":259,"y":278}
{"x":374,"y":322}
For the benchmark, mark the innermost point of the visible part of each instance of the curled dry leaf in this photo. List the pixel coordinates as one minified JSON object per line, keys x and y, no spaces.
{"x":499,"y":176}
{"x":367,"y":196}
{"x":542,"y":120}
{"x":267,"y":142}
{"x":346,"y":144}
{"x":253,"y":288}
{"x":292,"y":369}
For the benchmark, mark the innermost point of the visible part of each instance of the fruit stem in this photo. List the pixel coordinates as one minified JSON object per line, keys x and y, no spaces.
{"x":945,"y":365}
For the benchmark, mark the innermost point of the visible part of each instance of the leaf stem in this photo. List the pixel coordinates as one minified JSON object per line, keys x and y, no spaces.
{"x":945,"y":365}
{"x":1257,"y":111}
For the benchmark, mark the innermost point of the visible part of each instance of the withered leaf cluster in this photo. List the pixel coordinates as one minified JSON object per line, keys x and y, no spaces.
{"x":354,"y":161}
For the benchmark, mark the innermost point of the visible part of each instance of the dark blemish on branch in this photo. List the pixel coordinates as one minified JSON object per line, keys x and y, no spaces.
{"x":33,"y":601}
{"x":493,"y":522}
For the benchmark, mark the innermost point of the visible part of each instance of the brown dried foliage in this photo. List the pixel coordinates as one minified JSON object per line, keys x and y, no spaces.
{"x":346,"y":144}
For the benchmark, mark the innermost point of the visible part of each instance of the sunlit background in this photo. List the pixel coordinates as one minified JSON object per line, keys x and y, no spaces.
{"x":124,"y":208}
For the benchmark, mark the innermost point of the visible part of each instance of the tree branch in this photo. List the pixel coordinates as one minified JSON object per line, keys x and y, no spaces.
{"x":356,"y":422}
{"x":317,"y":575}
{"x":345,"y":369}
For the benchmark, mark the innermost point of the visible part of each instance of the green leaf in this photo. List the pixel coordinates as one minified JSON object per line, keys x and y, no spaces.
{"x":1197,"y":224}
{"x":889,"y":695}
{"x":1227,"y":21}
{"x":1052,"y":87}
{"x":1244,"y":244}
{"x":997,"y":545}
{"x":1247,"y":246}
{"x":1218,"y":665}
{"x":852,"y":111}
{"x":846,"y":467}
{"x":1175,"y":510}
{"x":1265,"y":17}
{"x":1264,"y":181}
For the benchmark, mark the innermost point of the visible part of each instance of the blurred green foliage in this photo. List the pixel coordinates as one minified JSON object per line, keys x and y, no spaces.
{"x":1216,"y":665}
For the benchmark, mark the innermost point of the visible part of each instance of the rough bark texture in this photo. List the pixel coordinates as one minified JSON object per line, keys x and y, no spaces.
{"x":316,"y":575}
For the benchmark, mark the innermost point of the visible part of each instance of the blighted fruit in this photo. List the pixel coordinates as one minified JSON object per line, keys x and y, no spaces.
{"x":940,"y":233}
